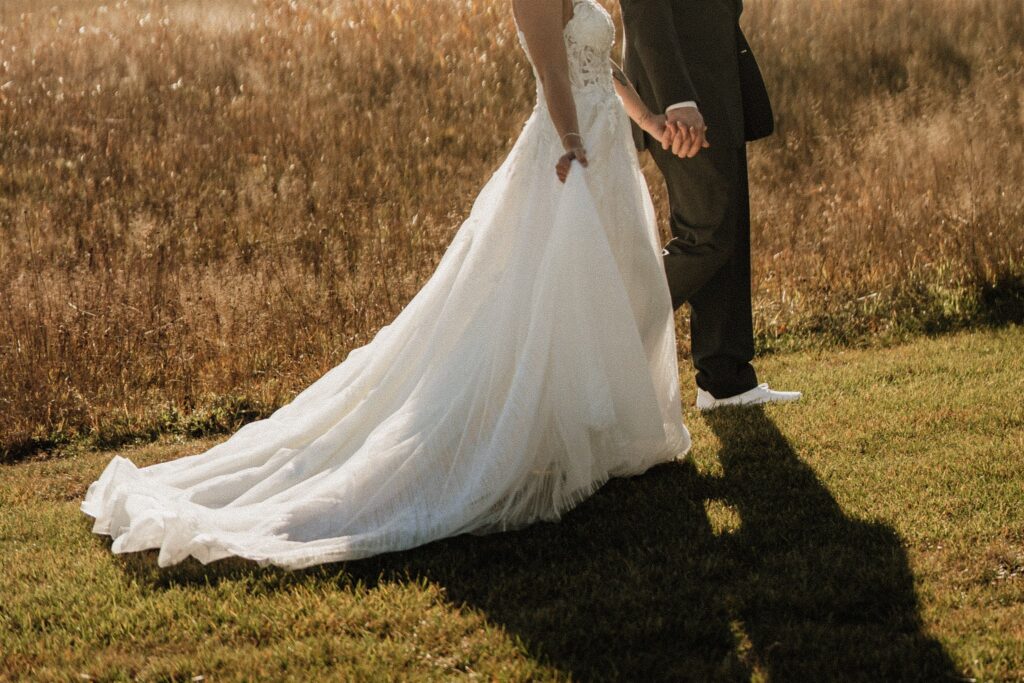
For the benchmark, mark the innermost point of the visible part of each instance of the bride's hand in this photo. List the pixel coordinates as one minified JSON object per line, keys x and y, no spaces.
{"x":565,"y":161}
{"x":655,"y":126}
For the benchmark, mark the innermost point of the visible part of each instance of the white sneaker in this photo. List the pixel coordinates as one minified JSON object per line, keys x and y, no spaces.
{"x":759,"y":394}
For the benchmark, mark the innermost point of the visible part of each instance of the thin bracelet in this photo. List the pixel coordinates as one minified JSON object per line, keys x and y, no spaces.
{"x":568,"y":134}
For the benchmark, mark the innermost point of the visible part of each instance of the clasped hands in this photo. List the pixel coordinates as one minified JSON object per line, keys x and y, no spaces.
{"x":682,"y":130}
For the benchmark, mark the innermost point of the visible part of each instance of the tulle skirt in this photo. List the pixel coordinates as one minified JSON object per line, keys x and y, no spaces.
{"x":537,"y":361}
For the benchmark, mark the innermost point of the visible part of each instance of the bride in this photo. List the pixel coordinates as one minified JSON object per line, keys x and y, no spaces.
{"x":537,"y":361}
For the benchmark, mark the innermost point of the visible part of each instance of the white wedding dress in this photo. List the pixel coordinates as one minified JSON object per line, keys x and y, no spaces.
{"x":536,"y":362}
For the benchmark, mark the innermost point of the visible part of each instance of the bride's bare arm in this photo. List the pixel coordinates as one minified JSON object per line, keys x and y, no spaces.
{"x":542,"y":26}
{"x":653,"y":123}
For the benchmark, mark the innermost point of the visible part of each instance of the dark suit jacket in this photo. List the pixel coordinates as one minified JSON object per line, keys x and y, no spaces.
{"x":678,"y":50}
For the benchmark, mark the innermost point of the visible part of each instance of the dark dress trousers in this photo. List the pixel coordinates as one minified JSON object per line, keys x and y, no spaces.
{"x":679,"y":50}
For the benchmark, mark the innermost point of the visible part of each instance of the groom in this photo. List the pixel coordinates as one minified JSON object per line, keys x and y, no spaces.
{"x":689,"y":60}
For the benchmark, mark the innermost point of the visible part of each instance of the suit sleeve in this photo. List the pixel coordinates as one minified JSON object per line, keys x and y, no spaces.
{"x":657,"y":45}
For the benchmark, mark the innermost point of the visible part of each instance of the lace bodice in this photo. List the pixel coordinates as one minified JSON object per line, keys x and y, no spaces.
{"x":589,"y":36}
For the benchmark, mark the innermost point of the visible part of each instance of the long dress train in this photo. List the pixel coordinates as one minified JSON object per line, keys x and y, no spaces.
{"x":537,"y":361}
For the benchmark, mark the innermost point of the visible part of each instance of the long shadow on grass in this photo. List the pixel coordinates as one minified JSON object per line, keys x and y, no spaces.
{"x":634,"y":584}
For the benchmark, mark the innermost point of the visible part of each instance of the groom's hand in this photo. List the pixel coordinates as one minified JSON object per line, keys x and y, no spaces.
{"x":687,"y":132}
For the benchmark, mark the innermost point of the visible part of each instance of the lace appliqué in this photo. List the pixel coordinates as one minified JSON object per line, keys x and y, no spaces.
{"x":589,"y":36}
{"x":588,"y":41}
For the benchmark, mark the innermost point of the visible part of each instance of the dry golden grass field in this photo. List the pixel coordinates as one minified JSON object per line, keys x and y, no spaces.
{"x":205,"y":205}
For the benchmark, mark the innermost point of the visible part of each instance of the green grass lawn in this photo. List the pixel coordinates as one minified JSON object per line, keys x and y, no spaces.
{"x":873,"y":531}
